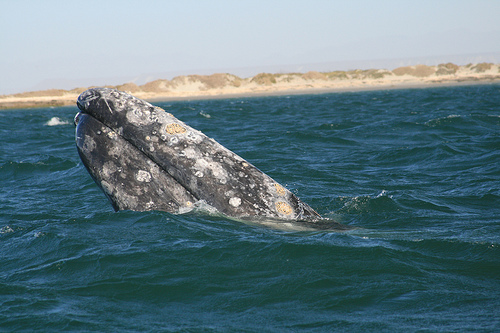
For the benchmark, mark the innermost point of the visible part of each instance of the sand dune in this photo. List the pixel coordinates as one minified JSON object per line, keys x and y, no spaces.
{"x":228,"y":85}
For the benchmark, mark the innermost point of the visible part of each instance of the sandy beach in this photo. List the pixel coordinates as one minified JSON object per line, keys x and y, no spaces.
{"x":223,"y":85}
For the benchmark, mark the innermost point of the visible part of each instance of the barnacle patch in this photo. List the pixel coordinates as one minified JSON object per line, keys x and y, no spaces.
{"x":280,"y":189}
{"x":174,"y":128}
{"x":283,"y":208}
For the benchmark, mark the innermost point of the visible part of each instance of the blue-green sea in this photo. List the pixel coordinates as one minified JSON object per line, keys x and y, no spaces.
{"x":417,"y":171}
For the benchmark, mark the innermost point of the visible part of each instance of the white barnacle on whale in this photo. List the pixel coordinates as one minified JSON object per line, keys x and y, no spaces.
{"x":207,"y":164}
{"x":111,"y":135}
{"x":189,"y":153}
{"x":137,"y":117}
{"x":143,"y":176}
{"x":235,"y":201}
{"x":195,"y":137}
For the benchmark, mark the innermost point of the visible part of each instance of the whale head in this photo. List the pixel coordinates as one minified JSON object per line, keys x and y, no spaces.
{"x":144,"y":158}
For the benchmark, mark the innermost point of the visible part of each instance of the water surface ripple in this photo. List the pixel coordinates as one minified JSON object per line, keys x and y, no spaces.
{"x":418,"y":171}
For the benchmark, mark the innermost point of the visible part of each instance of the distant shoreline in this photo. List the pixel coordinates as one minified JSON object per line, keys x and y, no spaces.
{"x":219,"y":86}
{"x":314,"y":91}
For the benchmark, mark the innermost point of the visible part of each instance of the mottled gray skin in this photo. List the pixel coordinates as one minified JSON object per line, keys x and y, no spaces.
{"x":129,"y":179}
{"x":144,"y":158}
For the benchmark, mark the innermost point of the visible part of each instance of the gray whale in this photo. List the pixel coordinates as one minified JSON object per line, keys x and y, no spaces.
{"x":144,"y":158}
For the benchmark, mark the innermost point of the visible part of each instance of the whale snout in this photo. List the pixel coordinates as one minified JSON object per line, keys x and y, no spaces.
{"x":85,"y":98}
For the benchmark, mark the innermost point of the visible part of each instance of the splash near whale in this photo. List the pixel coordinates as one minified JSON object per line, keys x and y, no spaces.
{"x":144,"y":158}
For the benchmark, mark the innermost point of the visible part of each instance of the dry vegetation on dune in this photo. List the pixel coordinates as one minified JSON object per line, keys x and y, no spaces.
{"x":447,"y":69}
{"x":417,"y":71}
{"x":481,"y":68}
{"x":268,"y":83}
{"x":265,"y":79}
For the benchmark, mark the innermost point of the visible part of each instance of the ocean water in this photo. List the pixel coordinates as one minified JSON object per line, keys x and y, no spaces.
{"x":417,"y":172}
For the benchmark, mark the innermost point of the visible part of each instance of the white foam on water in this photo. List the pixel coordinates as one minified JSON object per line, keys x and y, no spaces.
{"x":56,"y":121}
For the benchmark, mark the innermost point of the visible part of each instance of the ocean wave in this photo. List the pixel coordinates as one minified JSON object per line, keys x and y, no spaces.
{"x":56,"y":121}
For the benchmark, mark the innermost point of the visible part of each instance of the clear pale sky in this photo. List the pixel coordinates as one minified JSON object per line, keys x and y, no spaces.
{"x":67,"y":44}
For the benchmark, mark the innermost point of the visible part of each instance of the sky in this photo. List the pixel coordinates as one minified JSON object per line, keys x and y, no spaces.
{"x":68,"y":44}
